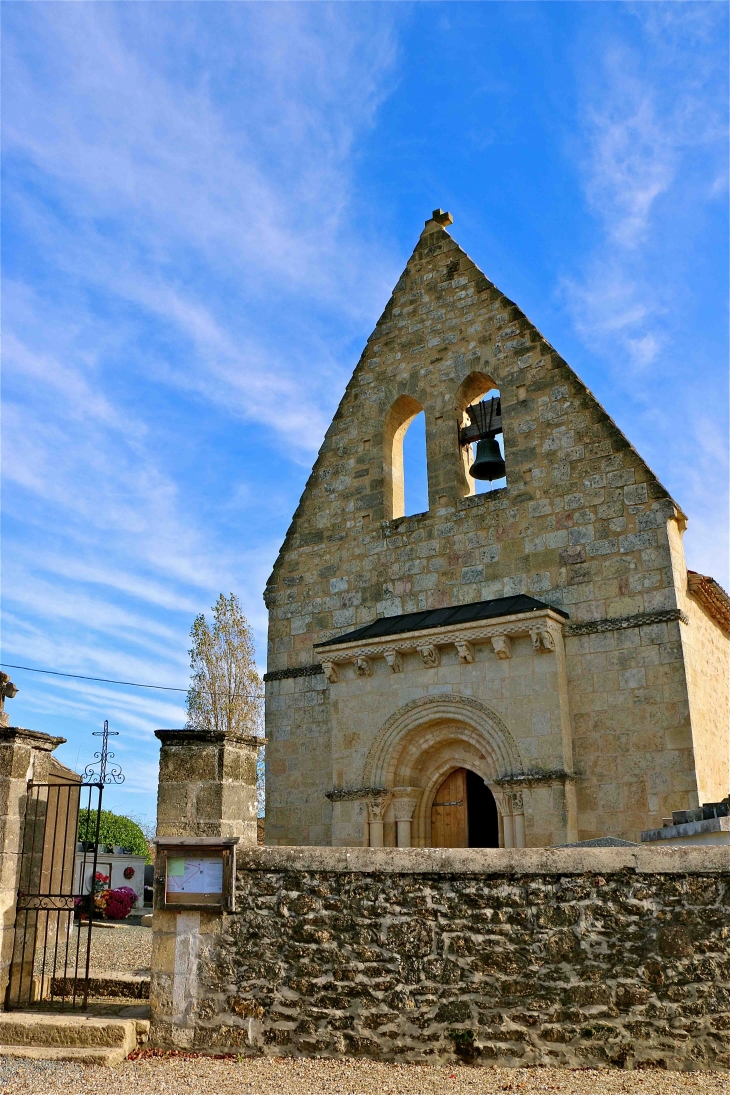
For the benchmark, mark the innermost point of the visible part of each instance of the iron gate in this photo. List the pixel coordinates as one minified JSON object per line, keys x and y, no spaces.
{"x":55,"y":906}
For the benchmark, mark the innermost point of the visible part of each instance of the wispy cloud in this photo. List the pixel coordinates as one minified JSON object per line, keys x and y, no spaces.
{"x":161,"y":180}
{"x":633,"y":162}
{"x":652,"y":149}
{"x":643,"y":119}
{"x":183,"y":255}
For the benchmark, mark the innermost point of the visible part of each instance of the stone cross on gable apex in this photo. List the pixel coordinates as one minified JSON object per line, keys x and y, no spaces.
{"x":441,"y":218}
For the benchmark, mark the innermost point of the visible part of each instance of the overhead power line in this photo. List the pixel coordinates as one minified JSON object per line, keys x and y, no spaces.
{"x":101,"y":680}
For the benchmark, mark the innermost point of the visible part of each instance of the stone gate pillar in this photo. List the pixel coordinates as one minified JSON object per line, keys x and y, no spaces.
{"x":207,"y":789}
{"x":24,"y":755}
{"x":207,"y":784}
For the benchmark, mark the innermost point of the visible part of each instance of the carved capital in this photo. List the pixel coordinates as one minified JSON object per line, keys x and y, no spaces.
{"x":394,"y":659}
{"x":502,"y":646}
{"x":404,"y":803}
{"x":430,"y":655}
{"x":330,"y":671}
{"x":377,"y":807}
{"x":518,"y":805}
{"x":465,"y":651}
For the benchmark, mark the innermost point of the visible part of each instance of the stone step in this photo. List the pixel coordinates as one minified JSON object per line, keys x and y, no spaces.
{"x":116,"y":983}
{"x":35,"y":1030}
{"x":85,"y":1055}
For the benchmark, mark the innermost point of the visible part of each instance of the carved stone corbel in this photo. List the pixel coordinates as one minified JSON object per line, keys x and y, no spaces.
{"x":466,"y":652}
{"x":542,"y":640}
{"x":394,"y":659}
{"x":430,"y":655}
{"x":363,"y":667}
{"x":502,"y":646}
{"x":330,"y":672}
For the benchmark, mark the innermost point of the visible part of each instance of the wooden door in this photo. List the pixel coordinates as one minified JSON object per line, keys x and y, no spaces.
{"x":449,"y":817}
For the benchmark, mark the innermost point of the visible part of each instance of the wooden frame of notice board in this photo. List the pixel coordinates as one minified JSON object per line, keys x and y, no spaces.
{"x":195,"y":873}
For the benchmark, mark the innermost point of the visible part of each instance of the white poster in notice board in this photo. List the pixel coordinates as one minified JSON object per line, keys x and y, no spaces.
{"x":194,"y":877}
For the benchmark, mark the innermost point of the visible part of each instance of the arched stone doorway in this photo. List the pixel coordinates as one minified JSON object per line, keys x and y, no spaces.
{"x":418,"y":749}
{"x":464,"y":813}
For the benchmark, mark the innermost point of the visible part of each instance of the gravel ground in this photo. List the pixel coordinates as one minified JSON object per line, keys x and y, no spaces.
{"x":280,"y":1076}
{"x":126,"y":948}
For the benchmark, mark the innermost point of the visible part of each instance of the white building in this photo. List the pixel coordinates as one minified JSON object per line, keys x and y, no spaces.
{"x":120,"y":868}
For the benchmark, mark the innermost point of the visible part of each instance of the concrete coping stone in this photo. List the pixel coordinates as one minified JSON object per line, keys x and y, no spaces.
{"x":37,"y":738}
{"x":186,"y":735}
{"x":714,"y":859}
{"x":600,"y":842}
{"x":195,"y":841}
{"x":688,"y":828}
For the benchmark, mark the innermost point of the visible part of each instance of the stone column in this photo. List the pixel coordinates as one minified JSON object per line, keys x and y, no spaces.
{"x":376,"y":811}
{"x":24,"y":755}
{"x":404,"y":803}
{"x":518,"y":810}
{"x":207,"y":788}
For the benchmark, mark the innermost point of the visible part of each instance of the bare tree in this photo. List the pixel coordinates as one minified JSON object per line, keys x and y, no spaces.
{"x":225,"y":692}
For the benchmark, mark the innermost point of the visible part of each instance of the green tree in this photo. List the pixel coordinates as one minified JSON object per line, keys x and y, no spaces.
{"x":226,"y":692}
{"x":114,"y":829}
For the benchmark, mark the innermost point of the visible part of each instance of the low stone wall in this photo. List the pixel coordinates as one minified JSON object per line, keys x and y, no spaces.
{"x":577,"y":957}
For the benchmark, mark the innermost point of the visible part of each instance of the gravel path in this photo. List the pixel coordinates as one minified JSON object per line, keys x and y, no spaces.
{"x":279,"y":1076}
{"x":127,"y":948}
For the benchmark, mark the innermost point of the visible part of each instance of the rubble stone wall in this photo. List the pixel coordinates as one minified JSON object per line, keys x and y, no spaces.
{"x":576,"y":957}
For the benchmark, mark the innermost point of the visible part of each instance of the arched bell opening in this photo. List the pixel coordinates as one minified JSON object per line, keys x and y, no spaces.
{"x":479,"y":411}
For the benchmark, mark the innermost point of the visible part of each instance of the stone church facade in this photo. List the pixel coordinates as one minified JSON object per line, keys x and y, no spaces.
{"x":529,"y":666}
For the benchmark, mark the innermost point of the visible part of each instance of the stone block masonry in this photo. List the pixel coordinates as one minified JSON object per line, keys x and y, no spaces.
{"x":207,"y":784}
{"x":638,"y":708}
{"x":609,"y":957}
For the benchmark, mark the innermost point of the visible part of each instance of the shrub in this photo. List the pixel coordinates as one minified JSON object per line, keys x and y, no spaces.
{"x":114,"y":829}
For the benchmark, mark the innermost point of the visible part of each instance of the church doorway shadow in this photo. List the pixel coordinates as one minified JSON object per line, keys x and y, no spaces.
{"x":464,"y":813}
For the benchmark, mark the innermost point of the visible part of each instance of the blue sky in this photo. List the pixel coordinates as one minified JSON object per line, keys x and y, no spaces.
{"x":205,"y":208}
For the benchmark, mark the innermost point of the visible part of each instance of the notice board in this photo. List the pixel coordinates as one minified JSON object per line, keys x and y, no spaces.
{"x":194,"y":875}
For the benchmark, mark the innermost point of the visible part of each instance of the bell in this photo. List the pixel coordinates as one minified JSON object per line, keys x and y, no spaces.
{"x":488,"y":462}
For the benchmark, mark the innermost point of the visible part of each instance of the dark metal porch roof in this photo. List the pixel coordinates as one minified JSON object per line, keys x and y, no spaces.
{"x":443,"y":617}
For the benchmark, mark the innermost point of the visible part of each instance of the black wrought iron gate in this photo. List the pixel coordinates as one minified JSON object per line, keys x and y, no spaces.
{"x":55,"y":906}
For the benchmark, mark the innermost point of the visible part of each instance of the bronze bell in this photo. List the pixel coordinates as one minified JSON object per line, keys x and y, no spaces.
{"x":488,"y":462}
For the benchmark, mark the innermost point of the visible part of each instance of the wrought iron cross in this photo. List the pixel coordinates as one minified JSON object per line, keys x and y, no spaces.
{"x":101,"y":759}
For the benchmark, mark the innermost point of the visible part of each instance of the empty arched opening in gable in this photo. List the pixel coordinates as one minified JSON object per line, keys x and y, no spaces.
{"x":403,"y":497}
{"x":476,"y":387}
{"x":415,"y":467}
